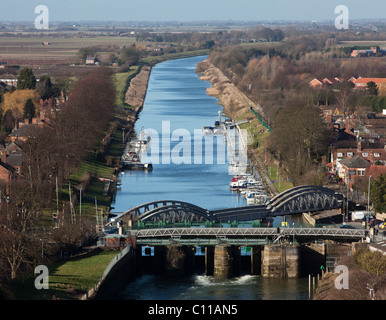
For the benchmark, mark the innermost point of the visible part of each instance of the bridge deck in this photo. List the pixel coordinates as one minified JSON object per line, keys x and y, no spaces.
{"x":251,"y":233}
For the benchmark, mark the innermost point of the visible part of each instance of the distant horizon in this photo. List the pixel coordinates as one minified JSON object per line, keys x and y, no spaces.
{"x":194,"y":21}
{"x":183,"y":11}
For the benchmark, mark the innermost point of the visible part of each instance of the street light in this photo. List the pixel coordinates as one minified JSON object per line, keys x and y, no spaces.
{"x":80,"y":203}
{"x":368,"y":204}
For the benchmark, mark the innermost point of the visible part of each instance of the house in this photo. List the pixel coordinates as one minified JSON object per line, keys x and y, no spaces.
{"x":24,"y":132}
{"x":92,"y":61}
{"x":317,"y":84}
{"x":9,"y":79}
{"x":7,"y":172}
{"x":376,"y":171}
{"x":374,"y":156}
{"x":352,"y":167}
{"x":2,"y":64}
{"x":361,"y":83}
{"x":368,"y":52}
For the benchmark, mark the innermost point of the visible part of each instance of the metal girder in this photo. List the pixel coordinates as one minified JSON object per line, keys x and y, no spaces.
{"x":306,"y":201}
{"x":176,"y":213}
{"x":295,"y":200}
{"x":252,"y":233}
{"x":173,"y":208}
{"x":204,"y":232}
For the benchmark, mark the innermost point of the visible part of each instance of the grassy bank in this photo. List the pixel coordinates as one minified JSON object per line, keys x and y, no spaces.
{"x":69,"y":279}
{"x":122,"y":82}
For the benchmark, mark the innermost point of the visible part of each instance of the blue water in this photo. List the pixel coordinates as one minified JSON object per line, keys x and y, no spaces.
{"x":176,"y":94}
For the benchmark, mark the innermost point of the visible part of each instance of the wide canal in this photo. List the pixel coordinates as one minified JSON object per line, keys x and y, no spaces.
{"x":176,"y":103}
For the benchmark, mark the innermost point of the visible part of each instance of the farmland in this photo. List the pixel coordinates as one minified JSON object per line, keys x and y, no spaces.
{"x":56,"y":48}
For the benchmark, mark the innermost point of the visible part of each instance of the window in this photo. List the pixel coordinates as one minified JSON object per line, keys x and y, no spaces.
{"x":361,"y":172}
{"x":377,"y":154}
{"x":340,"y":154}
{"x":349,"y":154}
{"x":365,"y":154}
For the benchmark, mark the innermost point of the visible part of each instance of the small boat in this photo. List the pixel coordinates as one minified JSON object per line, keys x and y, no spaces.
{"x":256,"y":198}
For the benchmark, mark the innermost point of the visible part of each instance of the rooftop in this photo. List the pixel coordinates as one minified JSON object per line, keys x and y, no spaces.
{"x":355,"y":162}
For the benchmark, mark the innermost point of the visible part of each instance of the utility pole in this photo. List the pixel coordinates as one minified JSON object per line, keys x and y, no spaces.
{"x":57,"y":196}
{"x":368,"y":205}
{"x":80,"y":203}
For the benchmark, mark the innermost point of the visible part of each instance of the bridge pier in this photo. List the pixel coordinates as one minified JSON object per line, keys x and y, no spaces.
{"x":179,"y":260}
{"x":226,"y":261}
{"x":223,"y":261}
{"x":209,"y":260}
{"x":255,"y":260}
{"x":280,"y":261}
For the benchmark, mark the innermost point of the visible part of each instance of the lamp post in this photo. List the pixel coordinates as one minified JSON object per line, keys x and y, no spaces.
{"x":368,"y":204}
{"x":80,"y":203}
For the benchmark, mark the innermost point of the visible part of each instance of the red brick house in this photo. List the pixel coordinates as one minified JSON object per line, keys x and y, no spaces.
{"x":374,"y":156}
{"x":351,"y":168}
{"x":361,"y":83}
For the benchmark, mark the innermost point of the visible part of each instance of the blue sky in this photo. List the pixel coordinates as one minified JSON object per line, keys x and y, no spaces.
{"x":190,"y":10}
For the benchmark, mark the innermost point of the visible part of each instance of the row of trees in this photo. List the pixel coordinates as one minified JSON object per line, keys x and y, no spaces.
{"x":51,"y":154}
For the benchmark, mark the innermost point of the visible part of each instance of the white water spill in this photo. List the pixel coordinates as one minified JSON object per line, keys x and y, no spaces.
{"x":202,"y":287}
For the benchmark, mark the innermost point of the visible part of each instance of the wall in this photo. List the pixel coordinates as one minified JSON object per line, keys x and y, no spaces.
{"x":117,"y":275}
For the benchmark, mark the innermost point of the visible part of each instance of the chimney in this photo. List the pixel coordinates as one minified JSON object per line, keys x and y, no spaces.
{"x":359,"y":146}
{"x":3,"y":156}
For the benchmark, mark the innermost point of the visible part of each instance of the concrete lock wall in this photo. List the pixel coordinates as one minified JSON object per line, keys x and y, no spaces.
{"x":223,"y":261}
{"x":280,"y":261}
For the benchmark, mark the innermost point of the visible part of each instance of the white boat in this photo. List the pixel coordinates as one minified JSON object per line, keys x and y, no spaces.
{"x":256,"y":198}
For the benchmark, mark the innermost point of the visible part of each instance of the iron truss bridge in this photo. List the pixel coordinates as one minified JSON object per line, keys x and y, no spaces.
{"x":246,"y":236}
{"x":296,"y":200}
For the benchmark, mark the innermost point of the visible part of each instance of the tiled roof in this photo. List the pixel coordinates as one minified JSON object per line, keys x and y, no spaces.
{"x":355,"y":162}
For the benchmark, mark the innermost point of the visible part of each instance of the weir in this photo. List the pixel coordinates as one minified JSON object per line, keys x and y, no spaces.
{"x":220,"y":261}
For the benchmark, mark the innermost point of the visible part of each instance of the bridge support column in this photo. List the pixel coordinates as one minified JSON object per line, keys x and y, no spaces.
{"x":209,"y":260}
{"x":255,"y":260}
{"x":280,"y":261}
{"x":175,"y":260}
{"x":223,"y":264}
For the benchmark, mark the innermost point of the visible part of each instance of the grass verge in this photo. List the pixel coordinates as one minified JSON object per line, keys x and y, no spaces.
{"x":69,"y":279}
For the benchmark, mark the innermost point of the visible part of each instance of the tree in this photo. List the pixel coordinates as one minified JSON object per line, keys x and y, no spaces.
{"x":16,"y":101}
{"x":298,"y":138}
{"x":131,"y":55}
{"x":9,"y":121}
{"x":85,"y":52}
{"x":372,"y":88}
{"x":26,"y":79}
{"x":46,"y":89}
{"x":29,"y":110}
{"x":378,"y":193}
{"x":18,"y":248}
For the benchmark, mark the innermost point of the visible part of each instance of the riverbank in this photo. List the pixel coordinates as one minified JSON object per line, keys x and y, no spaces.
{"x":237,"y":107}
{"x":136,"y":91}
{"x":235,"y":103}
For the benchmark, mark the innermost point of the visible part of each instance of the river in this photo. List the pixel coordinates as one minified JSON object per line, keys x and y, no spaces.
{"x":176,"y":97}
